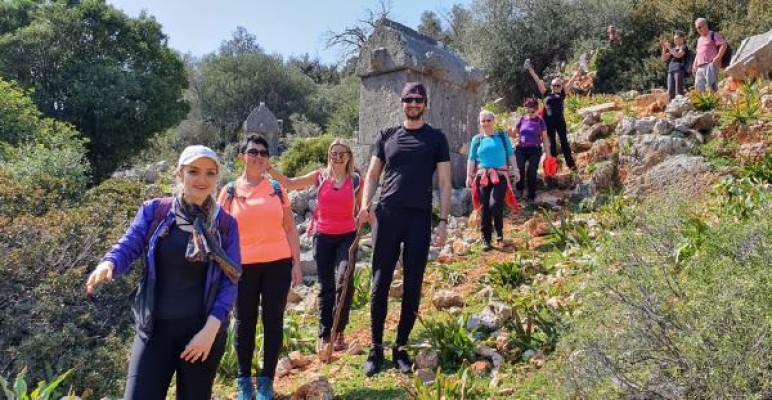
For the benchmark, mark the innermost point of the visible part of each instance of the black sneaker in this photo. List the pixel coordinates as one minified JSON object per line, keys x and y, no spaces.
{"x":374,"y":362}
{"x":487,"y":245}
{"x":402,"y":360}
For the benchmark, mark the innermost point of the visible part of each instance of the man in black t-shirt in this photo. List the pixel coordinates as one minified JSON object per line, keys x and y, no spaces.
{"x":407,"y":156}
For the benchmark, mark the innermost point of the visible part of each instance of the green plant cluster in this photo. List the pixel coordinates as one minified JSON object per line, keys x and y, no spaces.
{"x":678,"y":307}
{"x":449,"y":337}
{"x":305,"y":155}
{"x":460,"y":386}
{"x":19,"y":391}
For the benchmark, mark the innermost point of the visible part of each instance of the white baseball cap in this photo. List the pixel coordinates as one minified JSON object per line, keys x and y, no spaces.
{"x":193,"y":153}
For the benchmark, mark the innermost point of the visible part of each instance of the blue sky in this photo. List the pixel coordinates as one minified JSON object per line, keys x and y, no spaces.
{"x":287,"y":27}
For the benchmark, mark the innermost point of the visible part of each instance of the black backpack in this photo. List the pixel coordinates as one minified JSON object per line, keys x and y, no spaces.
{"x":687,"y":62}
{"x":726,"y":59}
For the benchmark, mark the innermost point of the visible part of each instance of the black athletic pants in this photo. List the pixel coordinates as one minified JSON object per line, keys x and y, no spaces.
{"x":154,"y":361}
{"x":265,"y":285}
{"x":412,"y":229}
{"x":492,"y":199}
{"x":331,"y":256}
{"x":556,"y":126}
{"x":530,"y":156}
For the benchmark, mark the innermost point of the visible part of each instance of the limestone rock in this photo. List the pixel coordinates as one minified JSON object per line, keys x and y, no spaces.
{"x":284,"y":367}
{"x":443,"y":299}
{"x":307,"y":263}
{"x":750,"y":153}
{"x":645,"y":126}
{"x":427,"y":359}
{"x":663,"y":127}
{"x":537,"y":226}
{"x":298,"y":201}
{"x":427,"y":376}
{"x":679,"y":106}
{"x":317,"y":388}
{"x":766,"y":103}
{"x":626,"y":126}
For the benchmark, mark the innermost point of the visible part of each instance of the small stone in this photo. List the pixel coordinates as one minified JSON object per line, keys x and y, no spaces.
{"x":527,"y":355}
{"x":294,"y":297}
{"x":284,"y":367}
{"x":481,"y":368}
{"x":446,"y":298}
{"x":298,"y":360}
{"x":427,"y":359}
{"x":317,"y":388}
{"x":354,"y":348}
{"x":426,"y":375}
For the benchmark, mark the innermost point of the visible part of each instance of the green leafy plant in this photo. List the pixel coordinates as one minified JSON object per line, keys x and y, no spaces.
{"x":705,"y":101}
{"x":295,"y":338}
{"x":458,"y":386}
{"x":44,"y":390}
{"x":448,"y":335}
{"x":567,"y":230}
{"x":508,"y":274}
{"x":229,"y":367}
{"x":362,"y":285}
{"x":741,"y":197}
{"x":760,"y":170}
{"x":744,"y":108}
{"x":534,"y":326}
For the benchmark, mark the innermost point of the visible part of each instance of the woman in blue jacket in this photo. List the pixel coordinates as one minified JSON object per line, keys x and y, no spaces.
{"x":192,"y":266}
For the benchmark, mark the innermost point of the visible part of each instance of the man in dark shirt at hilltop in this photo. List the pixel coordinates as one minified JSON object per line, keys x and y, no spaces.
{"x":407,"y":156}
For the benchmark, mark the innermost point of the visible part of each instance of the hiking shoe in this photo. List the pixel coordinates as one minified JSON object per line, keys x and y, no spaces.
{"x":499,"y":238}
{"x":487,"y":245}
{"x":374,"y":362}
{"x":245,"y":389}
{"x":340,"y":342}
{"x":264,"y":388}
{"x":321,"y":348}
{"x":402,"y":360}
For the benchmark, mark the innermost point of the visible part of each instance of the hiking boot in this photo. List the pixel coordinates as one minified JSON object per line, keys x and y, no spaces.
{"x":374,"y":362}
{"x":487,"y":245}
{"x":402,"y":360}
{"x":340,"y":342}
{"x":519,"y":194}
{"x":264,"y":388}
{"x":246,"y":391}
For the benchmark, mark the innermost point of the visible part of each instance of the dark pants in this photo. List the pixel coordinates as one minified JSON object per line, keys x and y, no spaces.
{"x":556,"y":126}
{"x":331,"y":255}
{"x":492,"y":199}
{"x":154,"y":361}
{"x":412,"y":229}
{"x":675,"y":83}
{"x":530,"y":156}
{"x":265,"y":285}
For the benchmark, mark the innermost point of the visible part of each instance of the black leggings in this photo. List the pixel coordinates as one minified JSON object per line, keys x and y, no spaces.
{"x":412,"y":229}
{"x":153,"y":362}
{"x":556,"y":126}
{"x":530,"y":156}
{"x":331,"y":255}
{"x":492,"y":199}
{"x":265,"y":285}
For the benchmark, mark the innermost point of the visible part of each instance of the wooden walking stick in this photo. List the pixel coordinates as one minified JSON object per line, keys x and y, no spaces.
{"x":352,"y":258}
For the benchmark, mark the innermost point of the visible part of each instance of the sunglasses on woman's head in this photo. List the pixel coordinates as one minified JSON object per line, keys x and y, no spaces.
{"x":258,"y":152}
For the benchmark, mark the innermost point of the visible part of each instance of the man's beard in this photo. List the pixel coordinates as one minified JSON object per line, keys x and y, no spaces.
{"x":414,"y":118}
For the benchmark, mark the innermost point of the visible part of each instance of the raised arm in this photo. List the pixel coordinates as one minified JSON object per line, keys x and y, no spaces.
{"x":568,"y":86}
{"x":298,"y":183}
{"x":539,"y":81}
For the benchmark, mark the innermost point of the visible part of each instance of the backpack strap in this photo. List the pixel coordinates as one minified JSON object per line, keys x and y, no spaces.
{"x":501,"y":134}
{"x":277,"y":190}
{"x":160,"y":212}
{"x":231,"y":194}
{"x":474,"y":147}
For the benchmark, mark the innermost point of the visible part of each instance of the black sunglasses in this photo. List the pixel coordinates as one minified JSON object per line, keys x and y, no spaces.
{"x":415,"y":100}
{"x":258,"y":152}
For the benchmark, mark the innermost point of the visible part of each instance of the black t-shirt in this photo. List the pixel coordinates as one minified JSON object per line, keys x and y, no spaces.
{"x":181,"y":283}
{"x":553,"y":104}
{"x":676,"y":64}
{"x":410,"y":157}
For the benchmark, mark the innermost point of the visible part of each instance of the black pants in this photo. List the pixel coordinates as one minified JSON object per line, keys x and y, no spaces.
{"x":155,"y":360}
{"x":556,"y":126}
{"x":675,"y":83}
{"x":492,"y":199}
{"x":412,"y":229}
{"x":265,"y":285}
{"x":530,"y":156}
{"x":331,"y":255}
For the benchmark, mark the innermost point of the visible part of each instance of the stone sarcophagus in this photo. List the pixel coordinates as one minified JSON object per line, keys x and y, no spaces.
{"x":753,"y":58}
{"x":395,"y":54}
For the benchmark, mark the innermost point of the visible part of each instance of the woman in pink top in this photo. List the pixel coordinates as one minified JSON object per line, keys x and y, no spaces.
{"x":334,"y":229}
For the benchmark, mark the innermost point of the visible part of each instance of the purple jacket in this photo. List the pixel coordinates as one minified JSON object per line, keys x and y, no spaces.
{"x":134,"y":241}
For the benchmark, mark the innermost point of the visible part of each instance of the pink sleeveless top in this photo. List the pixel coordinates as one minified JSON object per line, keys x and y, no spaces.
{"x":335,"y":208}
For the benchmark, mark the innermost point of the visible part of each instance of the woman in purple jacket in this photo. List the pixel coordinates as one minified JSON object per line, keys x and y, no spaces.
{"x":192,"y":266}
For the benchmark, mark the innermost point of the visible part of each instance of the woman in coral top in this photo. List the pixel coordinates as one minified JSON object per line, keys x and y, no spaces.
{"x":270,"y":254}
{"x":334,"y":228}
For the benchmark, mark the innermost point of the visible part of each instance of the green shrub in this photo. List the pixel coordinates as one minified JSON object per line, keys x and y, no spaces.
{"x":448,"y":336}
{"x":658,"y":325}
{"x":761,"y":170}
{"x":46,"y":322}
{"x":744,"y":108}
{"x":508,"y":274}
{"x":304,"y":155}
{"x":459,"y":386}
{"x":741,"y":197}
{"x":706,"y":100}
{"x":362,"y":285}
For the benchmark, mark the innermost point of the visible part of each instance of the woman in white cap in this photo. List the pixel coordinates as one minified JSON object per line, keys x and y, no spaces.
{"x":192,"y":266}
{"x":553,"y":114}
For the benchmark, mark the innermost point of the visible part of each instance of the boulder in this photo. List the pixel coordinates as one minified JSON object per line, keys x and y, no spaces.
{"x":461,"y":202}
{"x":598,"y":109}
{"x":443,"y":299}
{"x":663,"y":127}
{"x":626,"y":126}
{"x":317,"y":388}
{"x":299,"y":201}
{"x":691,"y":176}
{"x":645,"y":126}
{"x":679,"y":106}
{"x":536,"y":226}
{"x":604,"y":176}
{"x":426,"y":376}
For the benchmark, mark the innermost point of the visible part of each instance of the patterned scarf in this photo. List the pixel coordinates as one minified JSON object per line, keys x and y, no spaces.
{"x":204,"y":245}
